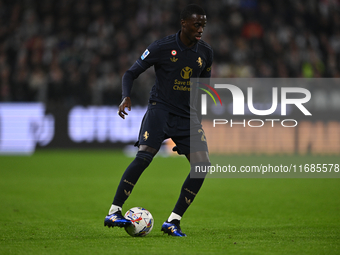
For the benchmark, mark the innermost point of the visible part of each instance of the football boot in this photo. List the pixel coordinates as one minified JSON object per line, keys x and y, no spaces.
{"x":172,"y":228}
{"x":116,"y":220}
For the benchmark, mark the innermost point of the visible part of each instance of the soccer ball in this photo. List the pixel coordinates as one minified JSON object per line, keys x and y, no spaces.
{"x":142,"y":221}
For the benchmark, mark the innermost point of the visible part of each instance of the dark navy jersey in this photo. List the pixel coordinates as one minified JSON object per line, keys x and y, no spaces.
{"x":174,"y":65}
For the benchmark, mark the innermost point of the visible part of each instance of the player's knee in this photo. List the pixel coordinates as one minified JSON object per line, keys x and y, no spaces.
{"x":199,"y":156}
{"x":200,"y":169}
{"x":147,"y":148}
{"x":145,"y":157}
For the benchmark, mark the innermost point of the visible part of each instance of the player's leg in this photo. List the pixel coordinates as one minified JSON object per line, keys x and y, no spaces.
{"x":148,"y":147}
{"x":189,"y":190}
{"x":195,"y":148}
{"x":129,"y":179}
{"x":191,"y":186}
{"x":131,"y":175}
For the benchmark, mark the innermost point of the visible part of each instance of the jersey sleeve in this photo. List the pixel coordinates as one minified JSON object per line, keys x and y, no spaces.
{"x":147,"y":59}
{"x":150,"y":56}
{"x":206,"y":73}
{"x":128,"y":78}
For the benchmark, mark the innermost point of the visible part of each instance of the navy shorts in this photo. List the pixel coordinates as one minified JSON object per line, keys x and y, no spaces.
{"x":159,"y":124}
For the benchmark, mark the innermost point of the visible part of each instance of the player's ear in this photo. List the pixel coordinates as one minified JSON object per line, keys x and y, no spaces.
{"x":183,"y":23}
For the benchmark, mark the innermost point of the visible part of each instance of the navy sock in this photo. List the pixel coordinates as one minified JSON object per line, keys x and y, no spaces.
{"x":189,"y":191}
{"x":131,"y":176}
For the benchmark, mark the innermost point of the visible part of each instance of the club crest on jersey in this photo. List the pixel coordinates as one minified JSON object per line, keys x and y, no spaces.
{"x":145,"y":54}
{"x":200,"y":62}
{"x":173,"y":53}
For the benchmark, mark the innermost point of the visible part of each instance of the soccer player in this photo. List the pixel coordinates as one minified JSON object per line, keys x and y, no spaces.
{"x":176,"y":59}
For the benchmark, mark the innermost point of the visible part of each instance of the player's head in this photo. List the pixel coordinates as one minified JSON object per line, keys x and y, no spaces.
{"x":191,"y":9}
{"x":193,"y":21}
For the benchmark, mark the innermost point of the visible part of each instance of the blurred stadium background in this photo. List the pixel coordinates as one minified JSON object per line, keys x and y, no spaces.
{"x":61,"y":64}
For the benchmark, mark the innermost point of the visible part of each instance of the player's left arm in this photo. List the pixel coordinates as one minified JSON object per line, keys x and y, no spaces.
{"x":206,"y":73}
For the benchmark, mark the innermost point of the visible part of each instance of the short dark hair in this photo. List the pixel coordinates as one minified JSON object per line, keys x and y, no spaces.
{"x":191,"y":9}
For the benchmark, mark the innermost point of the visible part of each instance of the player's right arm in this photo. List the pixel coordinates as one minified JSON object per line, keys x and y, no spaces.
{"x":148,"y":58}
{"x":128,"y":78}
{"x":126,"y":103}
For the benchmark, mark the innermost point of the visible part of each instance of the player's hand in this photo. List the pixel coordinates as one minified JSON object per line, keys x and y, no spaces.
{"x":121,"y":109}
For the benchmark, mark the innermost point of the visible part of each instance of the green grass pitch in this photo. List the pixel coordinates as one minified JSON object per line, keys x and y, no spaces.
{"x":54,"y":202}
